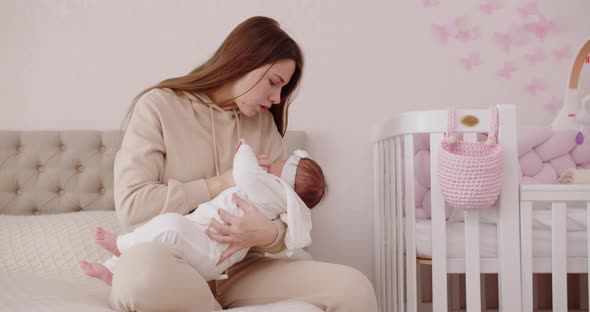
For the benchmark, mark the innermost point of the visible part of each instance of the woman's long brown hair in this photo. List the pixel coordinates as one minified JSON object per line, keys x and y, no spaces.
{"x":255,"y":42}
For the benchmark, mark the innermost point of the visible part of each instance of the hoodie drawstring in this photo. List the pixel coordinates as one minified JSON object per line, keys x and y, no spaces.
{"x":215,"y":155}
{"x":213,"y":134}
{"x":237,"y":116}
{"x":194,"y":98}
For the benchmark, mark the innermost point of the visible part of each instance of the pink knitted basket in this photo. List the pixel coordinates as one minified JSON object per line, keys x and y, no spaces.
{"x":471,"y":173}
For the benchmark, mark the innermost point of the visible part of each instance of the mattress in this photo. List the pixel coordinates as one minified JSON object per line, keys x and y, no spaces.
{"x":39,"y":258}
{"x":576,"y":236}
{"x":31,"y":292}
{"x":39,"y":264}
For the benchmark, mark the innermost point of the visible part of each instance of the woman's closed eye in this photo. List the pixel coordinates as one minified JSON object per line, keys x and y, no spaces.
{"x":272,"y":83}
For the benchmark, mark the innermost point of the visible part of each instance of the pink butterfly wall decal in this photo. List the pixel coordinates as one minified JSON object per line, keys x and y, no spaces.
{"x":445,"y":31}
{"x":468,"y":34}
{"x":507,"y":69}
{"x":554,"y":104}
{"x":534,"y":86}
{"x":509,"y":38}
{"x":488,"y":6}
{"x":441,"y":32}
{"x":535,"y":57}
{"x":562,"y":53}
{"x":470,"y":61}
{"x":529,"y":9}
{"x":541,"y":28}
{"x":430,"y":3}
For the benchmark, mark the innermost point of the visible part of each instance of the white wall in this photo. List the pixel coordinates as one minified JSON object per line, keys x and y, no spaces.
{"x":75,"y":64}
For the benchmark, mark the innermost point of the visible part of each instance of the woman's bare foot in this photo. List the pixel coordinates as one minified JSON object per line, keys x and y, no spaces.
{"x":107,"y":240}
{"x":98,"y":271}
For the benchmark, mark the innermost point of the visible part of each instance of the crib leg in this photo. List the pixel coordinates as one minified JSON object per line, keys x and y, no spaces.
{"x":454,"y":292}
{"x":536,"y":291}
{"x":422,"y":306}
{"x":419,"y":285}
{"x":583,"y":291}
{"x":483,"y":293}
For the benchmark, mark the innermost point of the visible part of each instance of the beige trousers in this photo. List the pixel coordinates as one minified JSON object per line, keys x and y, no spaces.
{"x":155,"y":277}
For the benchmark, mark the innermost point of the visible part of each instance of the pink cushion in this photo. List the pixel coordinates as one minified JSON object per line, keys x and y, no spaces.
{"x":530,"y":164}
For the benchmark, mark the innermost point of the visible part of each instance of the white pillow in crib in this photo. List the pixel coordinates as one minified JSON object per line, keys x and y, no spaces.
{"x":487,"y":215}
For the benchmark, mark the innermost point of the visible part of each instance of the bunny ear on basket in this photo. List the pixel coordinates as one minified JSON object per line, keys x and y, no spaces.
{"x":583,"y":118}
{"x":575,"y":115}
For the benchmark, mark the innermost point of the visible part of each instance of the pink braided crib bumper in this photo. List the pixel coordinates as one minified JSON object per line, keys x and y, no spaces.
{"x":543,"y":155}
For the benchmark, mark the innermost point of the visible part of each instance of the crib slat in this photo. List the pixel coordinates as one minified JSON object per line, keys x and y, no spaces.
{"x":526,"y":253}
{"x":472,"y":272}
{"x":410,"y":223}
{"x":377,"y":210}
{"x":386,"y":260}
{"x":439,"y":232}
{"x":472,"y":265}
{"x":559,"y":255}
{"x":390,"y":213}
{"x":588,"y":244}
{"x":399,"y":225}
{"x":392,"y":227}
{"x":508,"y":225}
{"x":385,"y":226}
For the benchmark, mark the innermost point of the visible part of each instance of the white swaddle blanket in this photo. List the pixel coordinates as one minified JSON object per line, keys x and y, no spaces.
{"x":273,"y":196}
{"x":270,"y":194}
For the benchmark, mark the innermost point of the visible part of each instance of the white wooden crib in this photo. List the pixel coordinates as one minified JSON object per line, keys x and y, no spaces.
{"x":397,"y":276}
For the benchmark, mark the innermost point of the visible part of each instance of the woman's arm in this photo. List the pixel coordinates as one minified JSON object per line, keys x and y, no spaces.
{"x":252,"y":229}
{"x":138,"y":170}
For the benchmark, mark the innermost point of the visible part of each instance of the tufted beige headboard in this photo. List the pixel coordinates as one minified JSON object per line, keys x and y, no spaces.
{"x":48,"y":172}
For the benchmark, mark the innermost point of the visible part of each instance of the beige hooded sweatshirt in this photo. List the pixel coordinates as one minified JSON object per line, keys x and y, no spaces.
{"x":172,"y":144}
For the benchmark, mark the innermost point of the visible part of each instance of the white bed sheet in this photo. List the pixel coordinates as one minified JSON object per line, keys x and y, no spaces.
{"x":576,"y":236}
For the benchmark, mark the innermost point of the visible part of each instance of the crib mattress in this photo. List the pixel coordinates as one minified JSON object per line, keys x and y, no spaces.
{"x":576,"y":236}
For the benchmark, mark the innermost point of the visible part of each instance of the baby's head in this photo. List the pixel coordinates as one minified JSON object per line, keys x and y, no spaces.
{"x":304,"y":175}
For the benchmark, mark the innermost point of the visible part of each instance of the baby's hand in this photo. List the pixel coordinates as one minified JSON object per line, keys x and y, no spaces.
{"x":242,"y":141}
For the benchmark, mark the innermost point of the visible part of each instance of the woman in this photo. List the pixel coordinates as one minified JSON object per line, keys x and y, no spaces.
{"x":177,"y":153}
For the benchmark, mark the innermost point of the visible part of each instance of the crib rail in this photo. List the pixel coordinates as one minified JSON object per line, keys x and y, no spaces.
{"x":559,"y":264}
{"x":396,"y":273}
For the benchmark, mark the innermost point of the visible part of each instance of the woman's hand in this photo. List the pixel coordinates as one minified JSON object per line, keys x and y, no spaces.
{"x":250,"y":230}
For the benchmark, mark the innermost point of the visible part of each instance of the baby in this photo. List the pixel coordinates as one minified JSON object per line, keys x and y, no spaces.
{"x":288,"y":190}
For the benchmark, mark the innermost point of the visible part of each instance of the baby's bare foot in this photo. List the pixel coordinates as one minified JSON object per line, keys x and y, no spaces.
{"x":107,"y":240}
{"x":98,"y":271}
